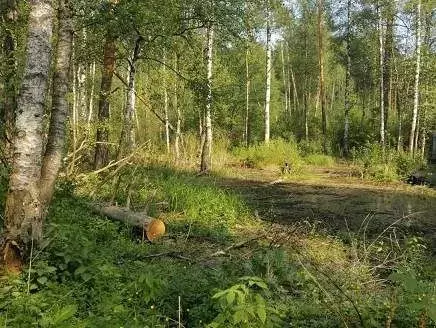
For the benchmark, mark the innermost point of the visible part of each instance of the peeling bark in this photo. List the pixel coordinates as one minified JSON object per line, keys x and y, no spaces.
{"x":23,"y":215}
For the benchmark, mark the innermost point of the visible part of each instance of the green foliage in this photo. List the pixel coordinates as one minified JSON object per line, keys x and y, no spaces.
{"x":244,"y":305}
{"x":390,"y":166}
{"x":320,"y":160}
{"x":415,"y":297}
{"x":276,"y":153}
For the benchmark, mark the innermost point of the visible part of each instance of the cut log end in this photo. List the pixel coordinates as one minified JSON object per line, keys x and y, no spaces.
{"x":155,"y":229}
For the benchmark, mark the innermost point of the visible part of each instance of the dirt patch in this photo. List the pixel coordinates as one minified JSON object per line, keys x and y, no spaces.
{"x":334,"y":204}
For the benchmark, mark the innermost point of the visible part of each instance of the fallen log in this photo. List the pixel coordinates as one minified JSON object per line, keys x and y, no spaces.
{"x":153,"y":228}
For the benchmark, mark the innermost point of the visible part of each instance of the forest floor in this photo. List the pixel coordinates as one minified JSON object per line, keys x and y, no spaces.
{"x":334,"y":201}
{"x":244,"y":248}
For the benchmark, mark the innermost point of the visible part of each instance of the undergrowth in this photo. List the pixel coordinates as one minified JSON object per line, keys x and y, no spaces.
{"x":93,"y":272}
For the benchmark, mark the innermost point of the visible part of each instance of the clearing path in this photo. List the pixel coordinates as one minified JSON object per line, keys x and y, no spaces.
{"x":336,"y":202}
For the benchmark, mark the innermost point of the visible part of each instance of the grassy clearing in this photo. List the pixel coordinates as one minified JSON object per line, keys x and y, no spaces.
{"x":97,"y":273}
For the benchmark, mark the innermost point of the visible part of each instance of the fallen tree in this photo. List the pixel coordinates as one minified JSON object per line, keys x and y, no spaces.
{"x":153,"y":228}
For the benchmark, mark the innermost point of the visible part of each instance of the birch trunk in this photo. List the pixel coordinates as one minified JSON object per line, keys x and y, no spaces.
{"x":206,"y":153}
{"x":127,"y":138}
{"x":268,"y":74}
{"x":417,"y":73}
{"x":247,"y":98}
{"x":178,"y":113}
{"x":347,"y":83}
{"x":57,"y":131}
{"x":167,"y":127}
{"x":9,"y":102}
{"x":101,"y":157}
{"x":387,"y":70}
{"x":23,"y":215}
{"x":381,"y":76}
{"x":321,"y":73}
{"x":91,"y":97}
{"x":285,"y":84}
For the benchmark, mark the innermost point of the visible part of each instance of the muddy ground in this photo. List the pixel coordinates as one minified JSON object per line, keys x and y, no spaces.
{"x":336,"y":202}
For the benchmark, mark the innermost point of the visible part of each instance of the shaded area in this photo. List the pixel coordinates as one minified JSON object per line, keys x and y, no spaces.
{"x":337,"y":208}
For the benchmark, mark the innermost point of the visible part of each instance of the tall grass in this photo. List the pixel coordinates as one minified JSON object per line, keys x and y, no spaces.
{"x":275,"y":153}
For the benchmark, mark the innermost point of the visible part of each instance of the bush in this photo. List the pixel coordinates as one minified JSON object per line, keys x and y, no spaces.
{"x":275,"y":153}
{"x":391,"y":166}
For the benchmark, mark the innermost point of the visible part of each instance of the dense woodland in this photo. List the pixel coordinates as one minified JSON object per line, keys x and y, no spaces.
{"x":165,"y":109}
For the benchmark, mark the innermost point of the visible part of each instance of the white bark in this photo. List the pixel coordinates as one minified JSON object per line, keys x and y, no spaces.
{"x":381,"y":67}
{"x":268,"y":75}
{"x":285,"y":83}
{"x":23,"y":215}
{"x":179,"y":115}
{"x":247,"y":98}
{"x":206,"y":156}
{"x":167,"y":127}
{"x":417,"y":73}
{"x":91,"y":96}
{"x":347,"y":83}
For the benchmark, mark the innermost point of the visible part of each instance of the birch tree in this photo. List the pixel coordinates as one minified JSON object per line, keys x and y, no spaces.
{"x":268,"y":72}
{"x":347,"y":81}
{"x":321,"y":72}
{"x":206,"y":153}
{"x":127,"y":138}
{"x":54,"y":150}
{"x":23,"y":213}
{"x":381,"y":77}
{"x":413,"y":128}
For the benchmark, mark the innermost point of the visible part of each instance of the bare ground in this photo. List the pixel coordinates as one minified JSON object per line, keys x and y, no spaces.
{"x":334,"y":201}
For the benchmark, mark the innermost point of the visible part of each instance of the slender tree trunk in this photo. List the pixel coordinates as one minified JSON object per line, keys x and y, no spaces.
{"x":54,"y":150}
{"x":417,"y":73}
{"x":23,"y":215}
{"x":101,"y":157}
{"x":268,"y":74}
{"x":167,"y":125}
{"x":178,"y":113}
{"x":247,"y":98}
{"x":347,"y":83}
{"x":74,"y":118}
{"x":127,"y":139}
{"x":81,"y":90}
{"x":296,"y":102}
{"x":285,"y":79}
{"x":206,"y":153}
{"x":381,"y":69}
{"x":387,"y":69}
{"x":415,"y":141}
{"x":91,"y":97}
{"x":306,"y":117}
{"x":400,"y":123}
{"x":9,"y":102}
{"x":321,"y":73}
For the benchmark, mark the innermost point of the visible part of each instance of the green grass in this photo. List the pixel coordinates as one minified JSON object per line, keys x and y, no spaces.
{"x":94,"y":272}
{"x":275,"y":153}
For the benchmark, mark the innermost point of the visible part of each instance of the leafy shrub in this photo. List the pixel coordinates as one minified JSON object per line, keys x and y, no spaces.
{"x":244,"y":305}
{"x":275,"y":153}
